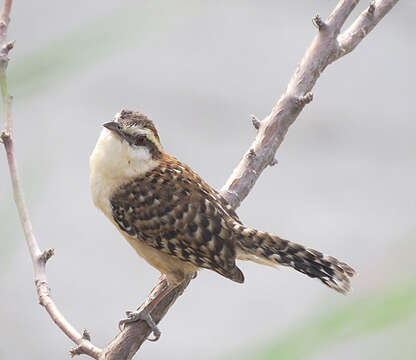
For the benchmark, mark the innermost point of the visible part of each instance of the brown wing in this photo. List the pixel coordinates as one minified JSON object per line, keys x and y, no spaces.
{"x":173,"y":210}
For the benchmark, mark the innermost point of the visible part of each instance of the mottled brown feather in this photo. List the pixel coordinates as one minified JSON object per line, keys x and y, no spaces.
{"x":173,"y":210}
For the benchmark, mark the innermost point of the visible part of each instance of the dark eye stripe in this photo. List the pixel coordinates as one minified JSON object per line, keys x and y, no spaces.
{"x":135,"y":139}
{"x":141,"y":140}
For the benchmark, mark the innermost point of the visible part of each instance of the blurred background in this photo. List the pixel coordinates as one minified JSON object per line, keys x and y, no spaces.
{"x":344,"y":184}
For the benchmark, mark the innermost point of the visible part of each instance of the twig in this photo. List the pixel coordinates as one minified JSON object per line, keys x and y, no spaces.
{"x":366,"y":22}
{"x":39,"y":258}
{"x":4,"y":19}
{"x":328,"y":46}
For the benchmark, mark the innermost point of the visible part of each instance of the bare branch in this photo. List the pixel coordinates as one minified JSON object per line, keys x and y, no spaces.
{"x":324,"y":49}
{"x":127,"y":342}
{"x":81,"y":349}
{"x":340,"y":14}
{"x":5,"y":19}
{"x":366,"y":22}
{"x":39,"y":258}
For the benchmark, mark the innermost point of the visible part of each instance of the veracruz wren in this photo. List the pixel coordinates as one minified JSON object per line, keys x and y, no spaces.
{"x":177,"y":222}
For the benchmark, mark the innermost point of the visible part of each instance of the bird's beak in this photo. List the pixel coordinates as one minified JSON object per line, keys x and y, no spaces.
{"x":112,"y":126}
{"x":115,"y":128}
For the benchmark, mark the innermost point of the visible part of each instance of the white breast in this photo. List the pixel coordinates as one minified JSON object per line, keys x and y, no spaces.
{"x":112,"y":163}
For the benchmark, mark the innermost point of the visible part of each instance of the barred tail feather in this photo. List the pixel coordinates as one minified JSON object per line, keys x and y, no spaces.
{"x":264,"y":248}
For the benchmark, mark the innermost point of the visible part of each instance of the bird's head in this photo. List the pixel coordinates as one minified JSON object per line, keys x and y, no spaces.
{"x":136,"y":131}
{"x":128,"y":146}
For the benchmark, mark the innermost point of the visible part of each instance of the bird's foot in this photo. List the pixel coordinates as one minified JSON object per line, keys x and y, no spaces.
{"x":137,"y":315}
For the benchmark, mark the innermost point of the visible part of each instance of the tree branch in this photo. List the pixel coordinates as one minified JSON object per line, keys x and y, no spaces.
{"x":39,"y":258}
{"x":366,"y":22}
{"x":328,"y":46}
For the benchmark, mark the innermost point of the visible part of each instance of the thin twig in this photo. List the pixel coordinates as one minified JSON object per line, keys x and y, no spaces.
{"x":5,"y":19}
{"x":39,"y":258}
{"x":366,"y":22}
{"x":324,"y":49}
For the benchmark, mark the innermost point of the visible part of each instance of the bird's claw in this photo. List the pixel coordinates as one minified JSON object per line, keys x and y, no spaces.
{"x":144,"y":315}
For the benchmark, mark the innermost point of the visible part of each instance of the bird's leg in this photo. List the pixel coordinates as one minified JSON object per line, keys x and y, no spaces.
{"x":144,"y":311}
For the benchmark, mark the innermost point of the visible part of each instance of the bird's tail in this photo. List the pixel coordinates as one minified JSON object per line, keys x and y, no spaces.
{"x":264,"y":248}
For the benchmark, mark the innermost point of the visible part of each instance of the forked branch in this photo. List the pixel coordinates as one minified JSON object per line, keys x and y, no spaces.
{"x":329,"y":45}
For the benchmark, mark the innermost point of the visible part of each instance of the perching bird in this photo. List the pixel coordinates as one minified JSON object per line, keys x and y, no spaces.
{"x":177,"y":222}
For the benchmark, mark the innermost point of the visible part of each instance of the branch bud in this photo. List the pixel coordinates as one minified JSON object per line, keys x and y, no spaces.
{"x":371,"y":8}
{"x":273,"y":162}
{"x":318,"y":22}
{"x":251,"y":154}
{"x":86,"y":335}
{"x":305,"y":99}
{"x":256,"y":122}
{"x":47,"y":254}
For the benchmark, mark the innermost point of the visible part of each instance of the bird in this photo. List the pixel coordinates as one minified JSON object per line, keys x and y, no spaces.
{"x":177,"y":222}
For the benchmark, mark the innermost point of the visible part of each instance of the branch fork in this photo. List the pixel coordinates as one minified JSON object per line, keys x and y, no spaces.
{"x":80,"y":349}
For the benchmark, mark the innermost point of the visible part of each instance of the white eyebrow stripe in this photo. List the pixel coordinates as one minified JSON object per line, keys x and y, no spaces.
{"x":117,"y":116}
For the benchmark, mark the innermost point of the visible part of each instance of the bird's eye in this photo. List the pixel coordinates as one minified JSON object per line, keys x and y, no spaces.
{"x":140,"y":139}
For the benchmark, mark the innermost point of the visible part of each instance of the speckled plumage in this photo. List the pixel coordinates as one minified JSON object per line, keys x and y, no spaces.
{"x":173,"y":210}
{"x":176,"y":221}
